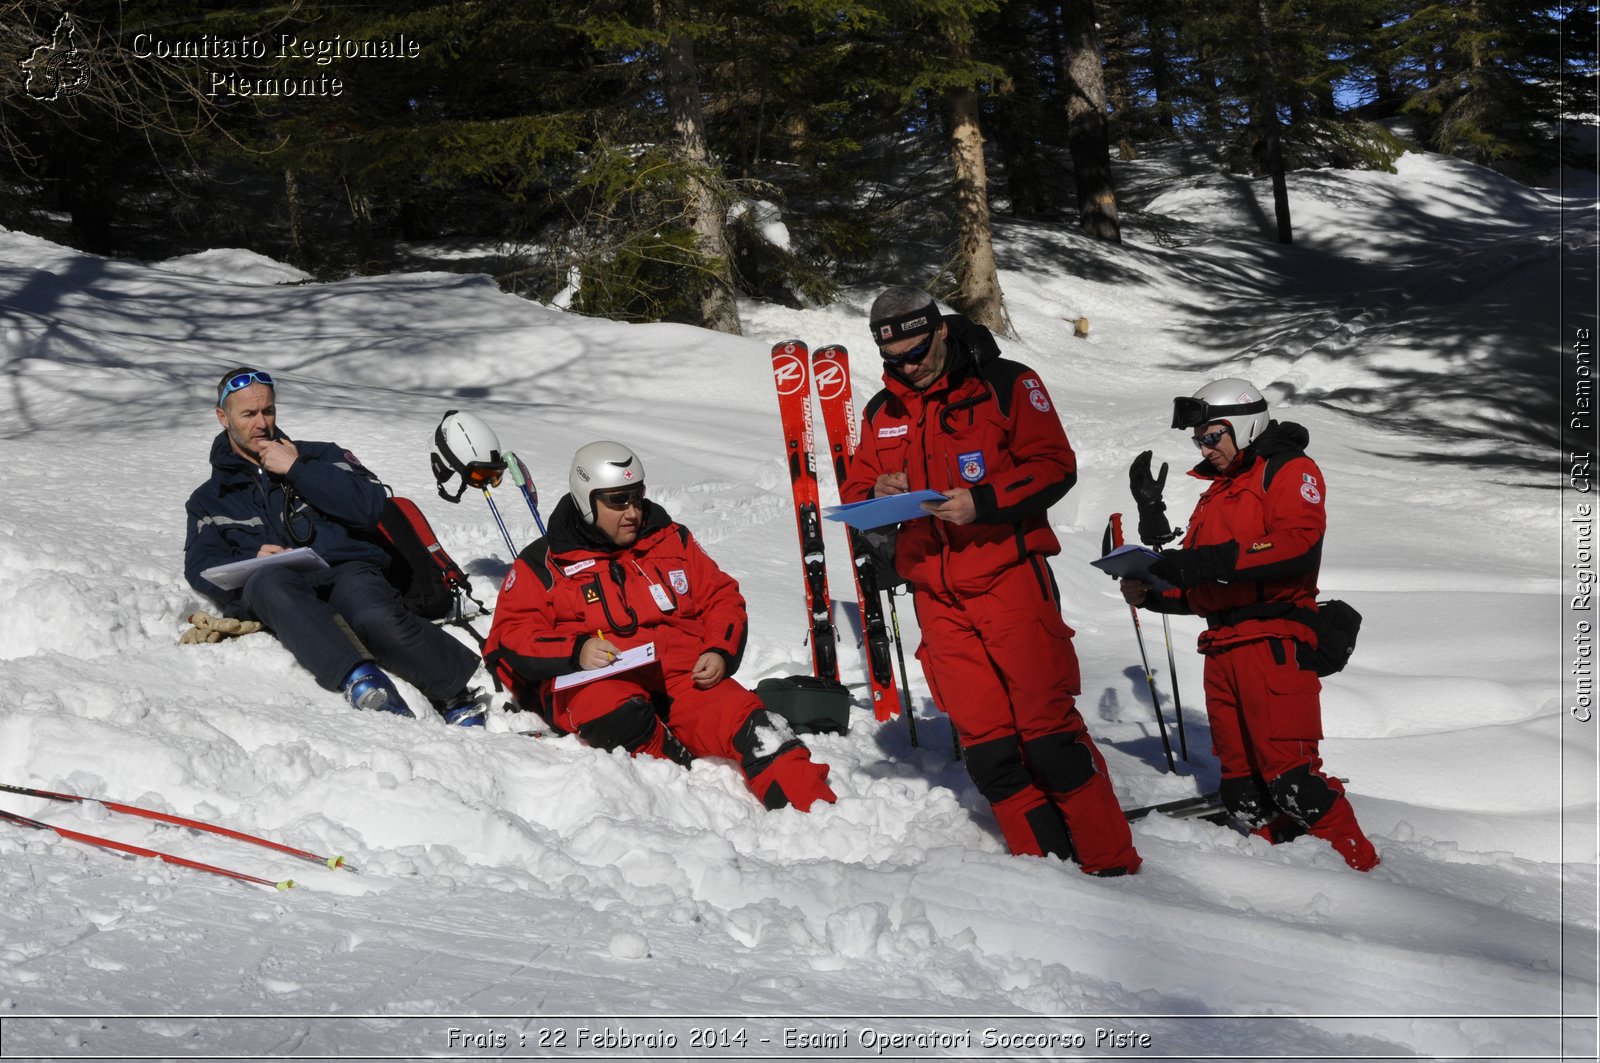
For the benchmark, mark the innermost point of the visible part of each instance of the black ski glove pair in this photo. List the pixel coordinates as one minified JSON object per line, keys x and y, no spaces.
{"x":1197,"y":565}
{"x":1154,"y":529}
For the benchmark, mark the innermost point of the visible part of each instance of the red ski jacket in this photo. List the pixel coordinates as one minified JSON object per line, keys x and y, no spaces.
{"x":987,"y":425}
{"x":572,"y":584}
{"x":1274,"y":508}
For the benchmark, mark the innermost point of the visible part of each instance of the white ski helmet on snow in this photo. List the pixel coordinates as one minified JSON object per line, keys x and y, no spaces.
{"x":602,"y":466}
{"x":1229,"y":401}
{"x":466,"y":447}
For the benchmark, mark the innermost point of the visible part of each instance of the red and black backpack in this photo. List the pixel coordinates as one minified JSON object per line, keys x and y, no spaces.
{"x":429,"y":581}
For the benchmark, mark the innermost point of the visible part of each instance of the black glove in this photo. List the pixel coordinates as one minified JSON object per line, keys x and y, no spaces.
{"x":1197,"y":565}
{"x":1154,"y":529}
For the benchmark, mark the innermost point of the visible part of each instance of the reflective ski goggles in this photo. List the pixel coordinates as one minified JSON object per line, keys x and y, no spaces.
{"x":914,"y":356}
{"x":479,"y":474}
{"x":475,"y":474}
{"x":1210,"y":439}
{"x":241,"y":380}
{"x":1190,"y":412}
{"x":621,"y":500}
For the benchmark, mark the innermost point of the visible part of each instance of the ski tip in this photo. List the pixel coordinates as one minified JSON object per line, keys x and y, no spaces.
{"x":790,"y":345}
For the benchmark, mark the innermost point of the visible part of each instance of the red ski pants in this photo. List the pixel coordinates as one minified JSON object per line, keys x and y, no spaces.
{"x":1265,"y":710}
{"x":1002,"y":666}
{"x":725,"y":720}
{"x":1266,"y":720}
{"x":705,"y":721}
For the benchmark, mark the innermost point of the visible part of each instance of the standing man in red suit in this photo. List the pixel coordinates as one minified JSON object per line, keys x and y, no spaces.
{"x":957,"y":418}
{"x":1249,"y":565}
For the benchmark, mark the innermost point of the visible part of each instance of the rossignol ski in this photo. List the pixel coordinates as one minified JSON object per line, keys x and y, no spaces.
{"x":830,"y":372}
{"x":791,"y":372}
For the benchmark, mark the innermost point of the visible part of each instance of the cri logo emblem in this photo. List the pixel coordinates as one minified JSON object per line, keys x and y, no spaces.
{"x":789,"y":372}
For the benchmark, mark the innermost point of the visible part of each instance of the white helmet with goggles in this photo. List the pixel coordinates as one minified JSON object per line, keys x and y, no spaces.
{"x":464,"y":446}
{"x":1230,"y":401}
{"x":602,"y":466}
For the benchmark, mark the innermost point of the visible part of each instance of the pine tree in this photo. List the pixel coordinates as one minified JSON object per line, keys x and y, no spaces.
{"x":1487,"y":77}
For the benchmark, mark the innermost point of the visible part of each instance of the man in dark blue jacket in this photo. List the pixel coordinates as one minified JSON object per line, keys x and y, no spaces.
{"x":268,"y":494}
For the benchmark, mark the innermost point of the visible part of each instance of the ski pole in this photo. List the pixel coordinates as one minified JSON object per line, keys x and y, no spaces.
{"x":530,"y":491}
{"x":1112,"y":540}
{"x":134,"y":850}
{"x":1155,"y":532}
{"x":334,"y":862}
{"x":905,"y":679}
{"x":1177,"y":701}
{"x":487,"y":497}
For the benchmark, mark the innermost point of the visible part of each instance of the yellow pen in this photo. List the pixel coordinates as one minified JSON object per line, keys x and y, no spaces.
{"x":600,"y":634}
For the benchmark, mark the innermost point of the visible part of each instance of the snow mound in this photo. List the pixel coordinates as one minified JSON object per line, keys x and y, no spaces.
{"x":236,"y":265}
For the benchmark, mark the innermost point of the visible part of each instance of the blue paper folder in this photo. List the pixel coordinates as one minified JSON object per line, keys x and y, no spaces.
{"x":889,"y":509}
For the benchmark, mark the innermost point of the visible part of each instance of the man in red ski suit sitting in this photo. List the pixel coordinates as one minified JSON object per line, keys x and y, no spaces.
{"x":981,"y":430}
{"x":616,"y":572}
{"x":1249,"y":565}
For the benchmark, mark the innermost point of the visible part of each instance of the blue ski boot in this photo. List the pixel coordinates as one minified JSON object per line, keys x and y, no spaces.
{"x":465,"y":709}
{"x":370,"y":690}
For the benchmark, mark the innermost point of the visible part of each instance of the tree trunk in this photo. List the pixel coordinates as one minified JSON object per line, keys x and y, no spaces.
{"x":1086,"y":124}
{"x":1267,"y":119}
{"x":1383,"y":85}
{"x":1161,"y":79}
{"x":977,"y":292}
{"x":297,"y":241}
{"x":707,"y":217}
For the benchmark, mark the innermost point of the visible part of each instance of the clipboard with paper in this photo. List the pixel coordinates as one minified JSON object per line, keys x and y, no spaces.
{"x":233,"y":575}
{"x":1132,"y":562}
{"x":628,"y":660}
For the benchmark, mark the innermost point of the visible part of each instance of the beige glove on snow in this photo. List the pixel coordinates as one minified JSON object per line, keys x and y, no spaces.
{"x":208,"y":628}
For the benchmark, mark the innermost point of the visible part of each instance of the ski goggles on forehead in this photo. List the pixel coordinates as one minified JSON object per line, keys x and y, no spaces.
{"x":242,"y":380}
{"x":1192,"y":412}
{"x":622,"y":499}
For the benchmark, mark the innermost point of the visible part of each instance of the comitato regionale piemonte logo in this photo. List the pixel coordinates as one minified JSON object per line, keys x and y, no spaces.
{"x":59,"y":69}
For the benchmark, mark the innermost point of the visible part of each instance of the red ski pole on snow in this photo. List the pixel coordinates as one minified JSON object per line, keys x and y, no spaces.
{"x":1112,"y":540}
{"x":134,"y":850}
{"x":334,"y":862}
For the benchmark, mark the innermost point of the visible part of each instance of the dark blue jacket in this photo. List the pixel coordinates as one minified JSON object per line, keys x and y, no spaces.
{"x":241,"y":509}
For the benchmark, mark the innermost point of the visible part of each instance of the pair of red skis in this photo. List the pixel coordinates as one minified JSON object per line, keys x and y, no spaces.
{"x":795,"y":368}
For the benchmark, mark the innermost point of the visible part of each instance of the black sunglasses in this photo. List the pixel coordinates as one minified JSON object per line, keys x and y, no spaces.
{"x":1210,"y":439}
{"x":912,"y":357}
{"x":621,"y":500}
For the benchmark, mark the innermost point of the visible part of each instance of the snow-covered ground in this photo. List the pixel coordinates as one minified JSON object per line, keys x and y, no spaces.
{"x":529,"y":893}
